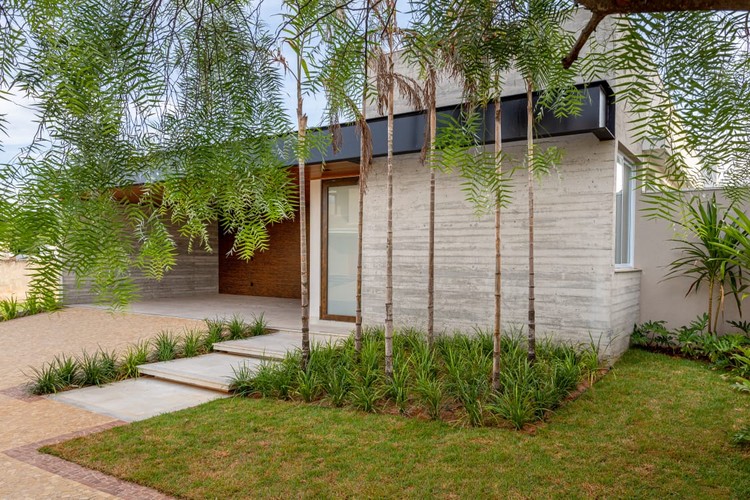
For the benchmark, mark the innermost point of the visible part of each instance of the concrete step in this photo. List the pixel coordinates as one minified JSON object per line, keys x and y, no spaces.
{"x":274,"y":346}
{"x":137,"y":399}
{"x":213,"y":371}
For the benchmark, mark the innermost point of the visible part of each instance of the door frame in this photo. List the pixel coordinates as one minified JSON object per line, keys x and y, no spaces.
{"x":325,"y":184}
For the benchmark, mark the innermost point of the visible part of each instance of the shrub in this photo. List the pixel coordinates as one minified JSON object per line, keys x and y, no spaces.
{"x":192,"y":343}
{"x":237,"y":328}
{"x":96,"y":369}
{"x":32,"y":305}
{"x":136,"y":355}
{"x":336,"y":384}
{"x":214,"y":334}
{"x":243,"y":381}
{"x":67,"y":370}
{"x":166,"y":344}
{"x":9,"y":309}
{"x":46,"y":380}
{"x":259,"y":325}
{"x":743,"y":326}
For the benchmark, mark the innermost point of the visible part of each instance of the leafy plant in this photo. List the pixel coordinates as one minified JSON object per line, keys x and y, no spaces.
{"x":308,"y":384}
{"x":215,"y":334}
{"x":136,"y":355}
{"x":743,"y":326}
{"x":259,"y":326}
{"x":398,"y":386}
{"x":32,"y":305}
{"x":237,"y":328}
{"x":9,"y":309}
{"x":515,"y":404}
{"x":364,"y":395}
{"x":96,"y":370}
{"x":166,"y":344}
{"x":243,"y":381}
{"x":192,"y":343}
{"x":337,"y":385}
{"x":429,"y":393}
{"x":67,"y":370}
{"x":707,"y":255}
{"x":46,"y":380}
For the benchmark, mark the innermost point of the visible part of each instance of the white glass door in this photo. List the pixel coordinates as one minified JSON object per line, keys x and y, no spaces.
{"x":340,"y":212}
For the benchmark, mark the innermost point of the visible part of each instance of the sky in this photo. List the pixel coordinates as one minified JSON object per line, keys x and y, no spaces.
{"x":22,"y":123}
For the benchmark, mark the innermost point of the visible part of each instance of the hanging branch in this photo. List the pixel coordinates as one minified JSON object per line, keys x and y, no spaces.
{"x":600,"y":9}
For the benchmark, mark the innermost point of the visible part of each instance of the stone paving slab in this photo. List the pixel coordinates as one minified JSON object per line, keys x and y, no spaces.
{"x":136,"y":399}
{"x":210,"y":371}
{"x":274,"y":345}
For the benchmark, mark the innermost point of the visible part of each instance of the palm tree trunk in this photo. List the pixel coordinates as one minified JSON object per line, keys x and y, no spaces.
{"x":719,"y":307}
{"x":530,"y":160}
{"x":431,"y":220}
{"x":389,"y":211}
{"x":364,"y":159}
{"x":358,"y":321}
{"x":710,"y":305}
{"x":305,"y":292}
{"x":496,"y":334}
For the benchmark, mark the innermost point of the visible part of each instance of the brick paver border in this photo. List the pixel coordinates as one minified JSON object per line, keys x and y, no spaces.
{"x":94,"y":479}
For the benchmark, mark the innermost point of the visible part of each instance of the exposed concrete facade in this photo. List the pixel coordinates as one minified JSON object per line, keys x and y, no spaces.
{"x":196,"y":272}
{"x":578,"y":295}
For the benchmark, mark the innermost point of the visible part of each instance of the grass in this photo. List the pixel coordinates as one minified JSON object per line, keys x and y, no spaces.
{"x":655,"y":426}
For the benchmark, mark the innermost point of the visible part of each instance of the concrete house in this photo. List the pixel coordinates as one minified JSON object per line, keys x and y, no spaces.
{"x":588,"y":286}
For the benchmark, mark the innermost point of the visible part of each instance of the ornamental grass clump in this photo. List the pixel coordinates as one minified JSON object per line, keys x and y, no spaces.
{"x":450,"y":381}
{"x":166,"y":346}
{"x":192,"y":343}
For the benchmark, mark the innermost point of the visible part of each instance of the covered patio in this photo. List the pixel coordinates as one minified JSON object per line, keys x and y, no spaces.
{"x":281,"y":314}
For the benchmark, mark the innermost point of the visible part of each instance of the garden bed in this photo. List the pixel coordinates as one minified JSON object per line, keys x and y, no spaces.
{"x":450,"y":382}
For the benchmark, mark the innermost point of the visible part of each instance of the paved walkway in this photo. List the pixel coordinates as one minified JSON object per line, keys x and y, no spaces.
{"x":26,"y":423}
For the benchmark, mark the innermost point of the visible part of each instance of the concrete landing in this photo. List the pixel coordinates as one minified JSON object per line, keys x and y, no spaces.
{"x":136,"y":399}
{"x":213,"y":371}
{"x":275,"y":345}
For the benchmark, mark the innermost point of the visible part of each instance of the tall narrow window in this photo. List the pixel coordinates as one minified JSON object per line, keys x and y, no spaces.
{"x":624,"y":211}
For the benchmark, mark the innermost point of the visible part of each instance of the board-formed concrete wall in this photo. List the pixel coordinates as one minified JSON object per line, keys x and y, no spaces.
{"x":195,"y":273}
{"x":574,"y":247}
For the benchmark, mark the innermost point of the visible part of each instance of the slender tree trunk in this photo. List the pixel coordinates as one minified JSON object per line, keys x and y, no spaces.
{"x":389,"y":210}
{"x":305,"y":292}
{"x":719,"y":307}
{"x":431,"y":221}
{"x":497,"y":335}
{"x":710,"y":305}
{"x":530,"y":159}
{"x":363,"y":167}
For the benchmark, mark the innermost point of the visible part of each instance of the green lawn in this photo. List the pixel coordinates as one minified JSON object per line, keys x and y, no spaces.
{"x":654,"y":426}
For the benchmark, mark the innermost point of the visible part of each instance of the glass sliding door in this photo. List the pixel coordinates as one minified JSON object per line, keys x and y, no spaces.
{"x":339,"y":266}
